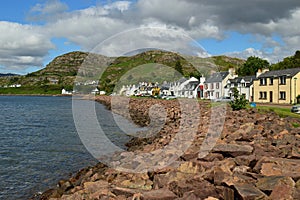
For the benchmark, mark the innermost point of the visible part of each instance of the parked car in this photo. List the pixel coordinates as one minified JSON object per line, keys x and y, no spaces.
{"x":222,"y":99}
{"x":295,"y":108}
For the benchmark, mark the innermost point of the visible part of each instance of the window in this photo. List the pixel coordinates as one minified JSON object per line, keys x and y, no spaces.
{"x":217,"y":95}
{"x":217,"y":86}
{"x":212,"y":86}
{"x":282,"y":80}
{"x":206,"y":87}
{"x":262,"y":95}
{"x":282,"y":95}
{"x":271,"y":81}
{"x":263,"y":81}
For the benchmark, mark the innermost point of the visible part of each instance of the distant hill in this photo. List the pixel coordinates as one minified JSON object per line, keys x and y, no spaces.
{"x":8,"y":74}
{"x":78,"y":66}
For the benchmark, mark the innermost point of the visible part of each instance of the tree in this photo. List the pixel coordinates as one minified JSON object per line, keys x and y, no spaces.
{"x":178,"y":67}
{"x":252,"y":65}
{"x":288,"y":62}
{"x":239,"y":101}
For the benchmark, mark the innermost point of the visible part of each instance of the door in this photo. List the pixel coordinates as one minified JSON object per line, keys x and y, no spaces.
{"x":271,"y":96}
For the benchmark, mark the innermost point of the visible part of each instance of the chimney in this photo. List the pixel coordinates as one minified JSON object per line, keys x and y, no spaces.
{"x":261,"y":71}
{"x":258,"y":73}
{"x":231,"y":71}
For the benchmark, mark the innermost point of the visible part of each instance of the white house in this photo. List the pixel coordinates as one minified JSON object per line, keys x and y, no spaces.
{"x":95,"y":91}
{"x":65,"y":92}
{"x":243,"y":84}
{"x":188,"y":89}
{"x":128,"y":90}
{"x":175,"y":87}
{"x":214,"y":85}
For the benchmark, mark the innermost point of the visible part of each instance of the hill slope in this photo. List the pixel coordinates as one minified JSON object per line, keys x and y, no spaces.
{"x":82,"y":66}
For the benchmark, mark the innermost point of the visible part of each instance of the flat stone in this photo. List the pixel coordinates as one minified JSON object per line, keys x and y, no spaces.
{"x":280,"y":167}
{"x":269,"y":182}
{"x":92,"y":187}
{"x":189,"y":168}
{"x":284,"y":190}
{"x":249,"y":192}
{"x":233,"y":149}
{"x":124,"y":191}
{"x":160,"y":194}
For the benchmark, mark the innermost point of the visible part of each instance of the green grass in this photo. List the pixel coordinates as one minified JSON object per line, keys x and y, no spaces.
{"x":295,"y":125}
{"x":282,"y":112}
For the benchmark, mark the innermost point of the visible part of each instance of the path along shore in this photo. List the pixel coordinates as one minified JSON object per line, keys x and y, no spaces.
{"x":256,"y":156}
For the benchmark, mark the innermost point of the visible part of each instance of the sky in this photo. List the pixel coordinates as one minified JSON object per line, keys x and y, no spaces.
{"x":33,"y":32}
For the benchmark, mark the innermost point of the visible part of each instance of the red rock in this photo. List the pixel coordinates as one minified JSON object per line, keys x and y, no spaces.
{"x":283,"y":190}
{"x":233,"y":149}
{"x":249,"y":192}
{"x":280,"y":167}
{"x":160,"y":194}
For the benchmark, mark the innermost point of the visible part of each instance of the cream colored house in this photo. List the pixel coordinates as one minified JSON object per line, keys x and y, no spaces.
{"x":278,"y":86}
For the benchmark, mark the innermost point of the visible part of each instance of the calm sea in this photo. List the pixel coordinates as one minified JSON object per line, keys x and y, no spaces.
{"x":39,"y":144}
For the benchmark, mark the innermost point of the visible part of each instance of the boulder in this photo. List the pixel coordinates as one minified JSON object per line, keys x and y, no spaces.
{"x":233,"y":149}
{"x":283,"y":190}
{"x":279,"y":167}
{"x":160,"y":194}
{"x":269,"y":182}
{"x":248,"y":192}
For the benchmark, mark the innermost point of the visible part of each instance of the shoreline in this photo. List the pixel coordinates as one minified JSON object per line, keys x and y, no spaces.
{"x":34,"y":95}
{"x":239,"y":166}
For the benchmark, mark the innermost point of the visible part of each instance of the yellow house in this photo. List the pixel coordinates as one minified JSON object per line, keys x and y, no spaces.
{"x":278,"y":86}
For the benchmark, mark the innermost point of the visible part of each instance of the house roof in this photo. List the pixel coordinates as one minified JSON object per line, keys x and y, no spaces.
{"x":217,"y":77}
{"x":285,"y":72}
{"x":248,"y":79}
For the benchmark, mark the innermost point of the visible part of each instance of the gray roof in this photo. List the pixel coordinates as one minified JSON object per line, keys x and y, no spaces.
{"x":217,"y":77}
{"x":285,"y":72}
{"x":246,"y":79}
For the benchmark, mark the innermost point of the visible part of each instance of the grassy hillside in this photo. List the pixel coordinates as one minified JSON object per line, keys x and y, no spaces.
{"x":147,"y":66}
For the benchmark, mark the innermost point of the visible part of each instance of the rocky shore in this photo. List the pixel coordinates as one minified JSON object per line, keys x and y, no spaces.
{"x":256,"y":156}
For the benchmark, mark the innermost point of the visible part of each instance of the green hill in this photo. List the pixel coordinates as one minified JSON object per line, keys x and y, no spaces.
{"x":77,"y":66}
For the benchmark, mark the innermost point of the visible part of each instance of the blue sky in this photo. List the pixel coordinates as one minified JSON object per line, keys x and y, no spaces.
{"x":36,"y":31}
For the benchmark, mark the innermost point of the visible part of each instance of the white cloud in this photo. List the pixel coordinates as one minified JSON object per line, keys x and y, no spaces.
{"x":22,"y":46}
{"x":27,"y":45}
{"x":51,"y":10}
{"x":119,"y":5}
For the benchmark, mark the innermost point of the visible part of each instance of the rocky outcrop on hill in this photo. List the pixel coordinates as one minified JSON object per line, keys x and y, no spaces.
{"x":255,"y":157}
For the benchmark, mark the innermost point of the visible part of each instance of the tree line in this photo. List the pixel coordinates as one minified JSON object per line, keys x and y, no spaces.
{"x":253,"y":64}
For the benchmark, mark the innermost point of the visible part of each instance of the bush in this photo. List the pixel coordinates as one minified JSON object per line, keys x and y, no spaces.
{"x":239,"y":101}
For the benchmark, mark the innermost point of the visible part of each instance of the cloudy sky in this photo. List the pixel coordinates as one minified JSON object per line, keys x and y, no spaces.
{"x":33,"y":32}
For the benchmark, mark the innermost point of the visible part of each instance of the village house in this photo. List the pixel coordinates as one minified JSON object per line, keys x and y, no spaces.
{"x":244,"y":85}
{"x":278,"y":86}
{"x":66,"y":92}
{"x":214,"y":85}
{"x":185,"y":88}
{"x":142,"y":89}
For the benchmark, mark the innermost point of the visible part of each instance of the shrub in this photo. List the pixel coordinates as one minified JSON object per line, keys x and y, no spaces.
{"x":239,"y":101}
